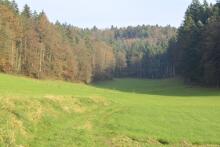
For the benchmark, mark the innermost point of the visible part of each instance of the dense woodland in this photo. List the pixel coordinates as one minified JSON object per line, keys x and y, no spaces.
{"x":196,"y":49}
{"x":31,"y":45}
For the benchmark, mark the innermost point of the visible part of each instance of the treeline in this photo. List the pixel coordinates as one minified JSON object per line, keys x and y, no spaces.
{"x":33,"y":46}
{"x":140,"y":51}
{"x":196,"y":49}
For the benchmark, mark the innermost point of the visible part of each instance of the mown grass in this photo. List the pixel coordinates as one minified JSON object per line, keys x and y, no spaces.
{"x":122,"y":112}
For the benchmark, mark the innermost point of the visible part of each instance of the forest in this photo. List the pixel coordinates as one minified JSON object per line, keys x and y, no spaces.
{"x":33,"y":46}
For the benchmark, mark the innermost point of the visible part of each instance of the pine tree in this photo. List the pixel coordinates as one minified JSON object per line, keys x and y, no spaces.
{"x":26,"y":11}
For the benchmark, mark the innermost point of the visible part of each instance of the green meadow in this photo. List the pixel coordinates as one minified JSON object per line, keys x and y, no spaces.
{"x":119,"y":113}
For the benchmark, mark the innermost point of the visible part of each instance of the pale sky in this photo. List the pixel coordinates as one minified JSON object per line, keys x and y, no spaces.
{"x":104,"y":13}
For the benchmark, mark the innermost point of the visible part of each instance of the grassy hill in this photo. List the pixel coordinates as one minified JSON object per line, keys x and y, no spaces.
{"x":122,"y":112}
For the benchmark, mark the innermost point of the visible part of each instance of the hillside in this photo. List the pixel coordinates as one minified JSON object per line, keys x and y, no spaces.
{"x":33,"y":46}
{"x":122,"y":112}
{"x":130,"y":84}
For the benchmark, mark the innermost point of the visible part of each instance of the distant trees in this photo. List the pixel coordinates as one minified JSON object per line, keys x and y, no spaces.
{"x":10,"y":33}
{"x":141,"y":51}
{"x":210,"y":59}
{"x":121,"y":62}
{"x":197,"y":47}
{"x":31,"y":45}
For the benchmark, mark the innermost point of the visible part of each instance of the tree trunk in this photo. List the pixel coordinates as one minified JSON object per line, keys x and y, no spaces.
{"x":25,"y":49}
{"x":218,"y":83}
{"x":174,"y":71}
{"x":41,"y":61}
{"x":12,"y":54}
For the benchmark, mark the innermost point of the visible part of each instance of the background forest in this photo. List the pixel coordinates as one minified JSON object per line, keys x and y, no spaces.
{"x":31,"y":45}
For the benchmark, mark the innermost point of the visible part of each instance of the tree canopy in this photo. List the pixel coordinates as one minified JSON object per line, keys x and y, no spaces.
{"x":33,"y":46}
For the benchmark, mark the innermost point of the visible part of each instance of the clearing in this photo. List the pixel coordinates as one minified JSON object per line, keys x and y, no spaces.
{"x":122,"y":112}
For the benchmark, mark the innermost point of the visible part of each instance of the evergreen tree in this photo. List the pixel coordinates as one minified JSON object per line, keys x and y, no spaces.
{"x":26,"y":11}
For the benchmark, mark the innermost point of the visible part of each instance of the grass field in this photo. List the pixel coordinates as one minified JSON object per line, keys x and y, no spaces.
{"x":122,"y":112}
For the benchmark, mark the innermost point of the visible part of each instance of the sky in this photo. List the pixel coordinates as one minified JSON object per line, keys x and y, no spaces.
{"x":104,"y":13}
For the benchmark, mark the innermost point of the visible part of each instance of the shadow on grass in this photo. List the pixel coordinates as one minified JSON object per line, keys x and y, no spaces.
{"x":164,"y":87}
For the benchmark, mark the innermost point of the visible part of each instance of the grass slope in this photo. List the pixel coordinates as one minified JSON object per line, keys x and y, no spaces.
{"x":123,"y":112}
